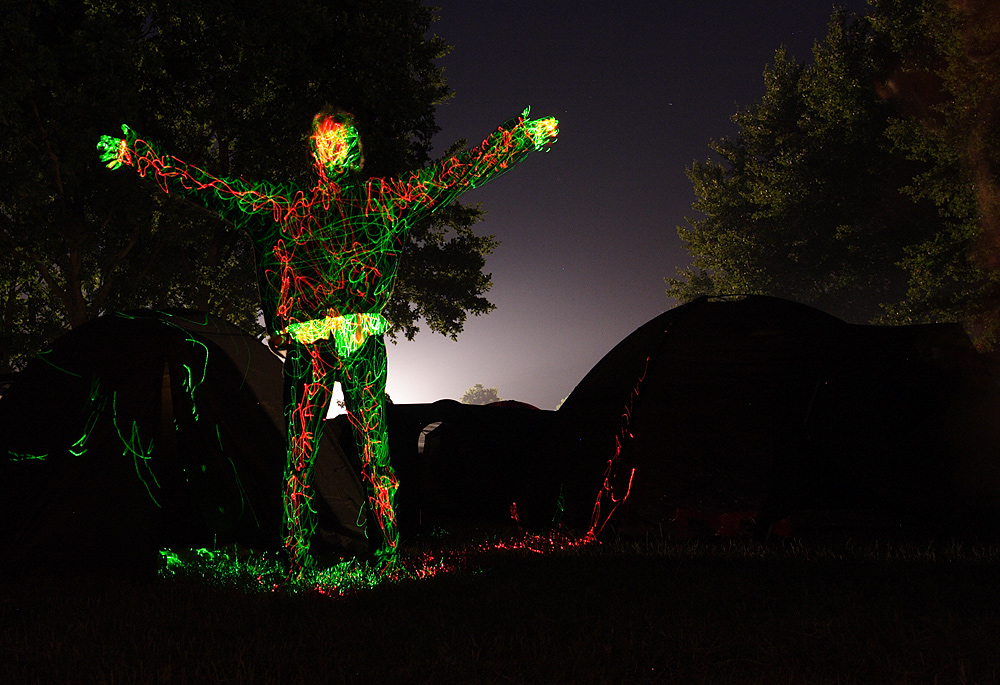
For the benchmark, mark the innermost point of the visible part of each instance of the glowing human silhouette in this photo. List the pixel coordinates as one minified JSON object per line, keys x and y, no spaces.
{"x":326,"y":259}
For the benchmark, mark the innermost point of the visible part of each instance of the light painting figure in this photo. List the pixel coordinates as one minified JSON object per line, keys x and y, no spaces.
{"x":326,"y":260}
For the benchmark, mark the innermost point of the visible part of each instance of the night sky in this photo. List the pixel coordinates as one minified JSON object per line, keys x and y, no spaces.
{"x":588,"y":230}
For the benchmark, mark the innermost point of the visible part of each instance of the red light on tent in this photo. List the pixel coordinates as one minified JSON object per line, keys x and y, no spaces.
{"x":513,"y":513}
{"x":607,"y":494}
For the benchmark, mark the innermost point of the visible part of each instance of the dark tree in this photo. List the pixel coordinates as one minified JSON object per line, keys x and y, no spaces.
{"x":850,"y":185}
{"x":806,"y":202}
{"x":945,"y":83}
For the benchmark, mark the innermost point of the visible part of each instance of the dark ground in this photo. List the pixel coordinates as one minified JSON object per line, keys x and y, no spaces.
{"x":724,"y":611}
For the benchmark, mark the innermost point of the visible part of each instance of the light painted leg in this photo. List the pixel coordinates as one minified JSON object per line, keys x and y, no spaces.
{"x":363,"y":379}
{"x":310,"y":372}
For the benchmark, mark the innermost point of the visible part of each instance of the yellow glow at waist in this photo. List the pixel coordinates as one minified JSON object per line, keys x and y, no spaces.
{"x":349,"y":332}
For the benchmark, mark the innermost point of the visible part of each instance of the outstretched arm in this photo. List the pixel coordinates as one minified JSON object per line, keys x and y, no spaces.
{"x":507,"y":146}
{"x":437,"y":185}
{"x":173,"y":175}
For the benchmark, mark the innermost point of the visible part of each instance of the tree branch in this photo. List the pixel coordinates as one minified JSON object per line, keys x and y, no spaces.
{"x":56,"y":170}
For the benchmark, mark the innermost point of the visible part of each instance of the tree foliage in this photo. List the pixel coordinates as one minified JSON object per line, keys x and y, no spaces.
{"x":477,"y":394}
{"x":945,"y":81}
{"x":229,"y":86}
{"x":835,"y":192}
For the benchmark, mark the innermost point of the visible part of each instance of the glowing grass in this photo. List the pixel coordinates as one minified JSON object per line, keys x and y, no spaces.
{"x":248,"y":572}
{"x":245,"y":570}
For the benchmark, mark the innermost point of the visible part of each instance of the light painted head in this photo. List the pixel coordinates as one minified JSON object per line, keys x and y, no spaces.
{"x":335,"y":144}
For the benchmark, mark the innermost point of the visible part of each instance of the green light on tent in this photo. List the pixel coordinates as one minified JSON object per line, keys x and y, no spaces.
{"x":133,"y":447}
{"x":189,"y":387}
{"x":43,"y":357}
{"x":204,"y":365}
{"x":97,"y":403}
{"x":244,"y":499}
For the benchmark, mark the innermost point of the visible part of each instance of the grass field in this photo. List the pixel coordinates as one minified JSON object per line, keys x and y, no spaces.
{"x":719,"y":611}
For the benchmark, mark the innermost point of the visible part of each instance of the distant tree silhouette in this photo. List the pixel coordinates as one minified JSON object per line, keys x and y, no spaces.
{"x":477,"y":394}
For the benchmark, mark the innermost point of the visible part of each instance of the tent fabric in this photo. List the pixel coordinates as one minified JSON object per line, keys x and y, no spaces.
{"x":762,"y":404}
{"x":147,"y":429}
{"x":466,"y":465}
{"x":154,"y":429}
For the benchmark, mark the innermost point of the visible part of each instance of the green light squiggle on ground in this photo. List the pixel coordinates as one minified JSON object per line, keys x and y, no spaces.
{"x":23,"y":456}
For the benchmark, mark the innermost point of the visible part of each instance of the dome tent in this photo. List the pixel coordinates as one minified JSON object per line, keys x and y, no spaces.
{"x":464,"y":465}
{"x":758,"y":404}
{"x":152,"y":429}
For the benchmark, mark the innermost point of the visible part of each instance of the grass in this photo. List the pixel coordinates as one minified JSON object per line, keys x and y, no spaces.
{"x":721,"y":611}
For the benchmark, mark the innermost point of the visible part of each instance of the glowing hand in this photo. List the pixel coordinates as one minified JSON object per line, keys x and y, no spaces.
{"x":542,"y":131}
{"x":117,"y":151}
